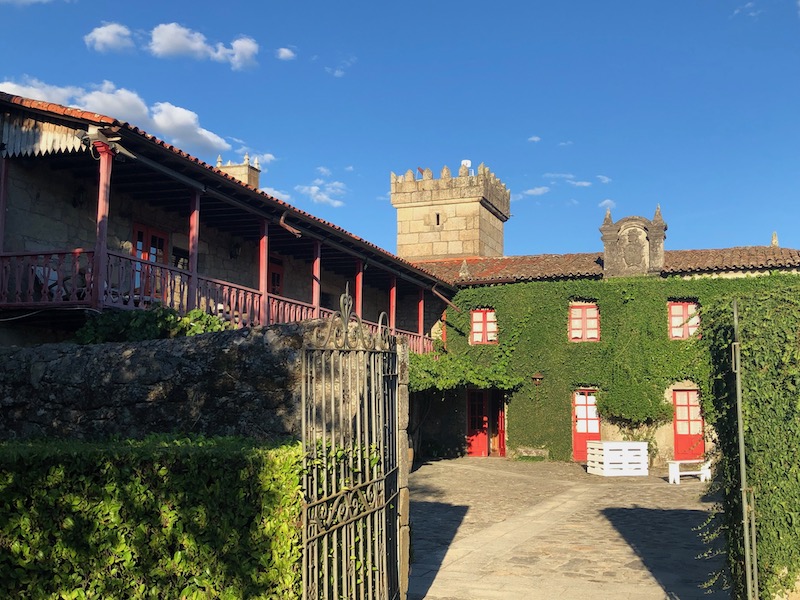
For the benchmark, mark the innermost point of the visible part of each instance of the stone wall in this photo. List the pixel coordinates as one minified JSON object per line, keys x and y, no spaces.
{"x":245,"y":382}
{"x":229,"y":383}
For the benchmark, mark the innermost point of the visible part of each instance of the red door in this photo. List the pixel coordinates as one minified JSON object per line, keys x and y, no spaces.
{"x":688,"y":425}
{"x":499,"y":433}
{"x":150,"y":246}
{"x":478,"y":423}
{"x":585,"y":422}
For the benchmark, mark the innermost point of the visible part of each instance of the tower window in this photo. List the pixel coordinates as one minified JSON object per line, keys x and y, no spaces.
{"x":438,"y":219}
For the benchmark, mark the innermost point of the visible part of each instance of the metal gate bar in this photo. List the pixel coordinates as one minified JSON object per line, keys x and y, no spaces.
{"x":350,"y":516}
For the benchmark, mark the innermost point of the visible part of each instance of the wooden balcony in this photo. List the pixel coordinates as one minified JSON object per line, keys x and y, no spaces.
{"x":63,"y":279}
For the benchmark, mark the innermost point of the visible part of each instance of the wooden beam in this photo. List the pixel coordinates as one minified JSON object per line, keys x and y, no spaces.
{"x":194,"y":248}
{"x":101,"y":229}
{"x":263,"y":273}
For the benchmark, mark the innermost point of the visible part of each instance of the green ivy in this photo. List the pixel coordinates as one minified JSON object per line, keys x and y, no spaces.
{"x":769,"y":325}
{"x":161,"y":518}
{"x":154,"y":323}
{"x":631,"y":366}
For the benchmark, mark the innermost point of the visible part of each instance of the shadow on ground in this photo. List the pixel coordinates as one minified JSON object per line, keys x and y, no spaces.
{"x":686,"y":568}
{"x":433,"y":527}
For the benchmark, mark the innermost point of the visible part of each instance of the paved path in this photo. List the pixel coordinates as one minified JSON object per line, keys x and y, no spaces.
{"x":485,"y":528}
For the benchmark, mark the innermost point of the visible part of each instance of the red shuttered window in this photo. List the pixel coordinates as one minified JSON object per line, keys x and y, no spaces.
{"x":683,"y":320}
{"x":584,"y":322}
{"x":484,"y":326}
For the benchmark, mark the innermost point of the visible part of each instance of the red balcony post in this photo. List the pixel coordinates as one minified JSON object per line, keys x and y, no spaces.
{"x":421,"y":312}
{"x":194,"y":248}
{"x":392,"y":303}
{"x":101,"y":242}
{"x":316,"y":281}
{"x":263,"y":273}
{"x":359,"y":292}
{"x":3,"y":198}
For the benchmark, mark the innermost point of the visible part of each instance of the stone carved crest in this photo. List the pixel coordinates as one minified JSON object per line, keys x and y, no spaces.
{"x":633,"y":245}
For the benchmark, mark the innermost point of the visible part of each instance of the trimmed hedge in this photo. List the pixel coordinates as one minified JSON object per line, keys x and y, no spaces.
{"x":769,"y":333}
{"x":159,"y":518}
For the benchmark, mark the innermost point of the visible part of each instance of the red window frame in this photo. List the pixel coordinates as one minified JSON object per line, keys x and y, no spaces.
{"x":483,"y":326}
{"x":682,"y":320}
{"x":584,"y":322}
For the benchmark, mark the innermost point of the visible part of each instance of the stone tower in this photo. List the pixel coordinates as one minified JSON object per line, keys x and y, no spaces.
{"x":633,"y":245}
{"x":245,"y":172}
{"x":452,"y":216}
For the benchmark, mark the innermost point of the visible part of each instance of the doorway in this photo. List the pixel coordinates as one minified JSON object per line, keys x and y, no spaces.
{"x":688,"y":425}
{"x":585,"y":422}
{"x":486,"y":423}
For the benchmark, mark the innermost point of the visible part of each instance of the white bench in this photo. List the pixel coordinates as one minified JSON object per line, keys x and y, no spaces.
{"x":703,"y":469}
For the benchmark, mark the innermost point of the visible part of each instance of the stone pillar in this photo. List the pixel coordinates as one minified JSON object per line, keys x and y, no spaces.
{"x":405,"y":459}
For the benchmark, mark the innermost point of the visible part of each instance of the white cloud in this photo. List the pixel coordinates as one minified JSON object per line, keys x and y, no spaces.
{"x":285,"y":54}
{"x":349,"y":168}
{"x":172,"y":39}
{"x":178,"y":125}
{"x":558,"y":176}
{"x":604,"y":179}
{"x":579,"y":183}
{"x":24,"y":2}
{"x":38,"y":90}
{"x":280,"y":194}
{"x":567,"y":143}
{"x":322,"y":192}
{"x":608,"y":204}
{"x":183,"y":126}
{"x":342,"y":67}
{"x":120,"y":103}
{"x":534,"y":138}
{"x":748,"y":9}
{"x":264,"y":158}
{"x":109,"y":37}
{"x":537,"y":191}
{"x":324,"y":171}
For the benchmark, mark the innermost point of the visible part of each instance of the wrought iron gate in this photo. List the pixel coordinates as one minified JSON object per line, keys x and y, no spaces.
{"x":350,"y":517}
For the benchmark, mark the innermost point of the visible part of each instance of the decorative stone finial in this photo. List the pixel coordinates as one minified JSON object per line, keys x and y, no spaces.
{"x":607,"y":220}
{"x":657,"y":218}
{"x":463,"y":272}
{"x":257,"y":164}
{"x":219,"y":160}
{"x":774,"y":242}
{"x":246,"y":158}
{"x":427,"y":174}
{"x":446,"y":172}
{"x":463,"y":170}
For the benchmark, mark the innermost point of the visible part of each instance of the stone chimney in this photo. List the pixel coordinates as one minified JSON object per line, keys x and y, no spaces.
{"x":452,"y":216}
{"x":245,"y":172}
{"x":633,"y":245}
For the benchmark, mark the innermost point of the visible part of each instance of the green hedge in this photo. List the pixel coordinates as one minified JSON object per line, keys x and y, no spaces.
{"x":631,"y":366}
{"x":769,"y":326}
{"x":160,"y":518}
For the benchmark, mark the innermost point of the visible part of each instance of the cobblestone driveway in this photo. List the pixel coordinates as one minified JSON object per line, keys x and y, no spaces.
{"x":485,"y":528}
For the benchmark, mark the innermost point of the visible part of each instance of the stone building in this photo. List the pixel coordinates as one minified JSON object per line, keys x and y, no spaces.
{"x":573,"y":349}
{"x":95,"y":215}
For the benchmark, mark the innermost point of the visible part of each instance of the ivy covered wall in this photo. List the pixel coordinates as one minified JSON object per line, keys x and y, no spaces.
{"x":631,"y":366}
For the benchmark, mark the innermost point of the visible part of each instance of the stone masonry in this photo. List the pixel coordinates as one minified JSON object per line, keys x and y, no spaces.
{"x":451,"y":216}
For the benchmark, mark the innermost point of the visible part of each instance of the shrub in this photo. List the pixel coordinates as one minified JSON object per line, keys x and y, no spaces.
{"x":160,"y":518}
{"x":154,"y":323}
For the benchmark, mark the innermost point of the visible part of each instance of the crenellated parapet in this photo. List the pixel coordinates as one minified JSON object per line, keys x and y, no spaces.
{"x":484,"y":185}
{"x":450,"y":216}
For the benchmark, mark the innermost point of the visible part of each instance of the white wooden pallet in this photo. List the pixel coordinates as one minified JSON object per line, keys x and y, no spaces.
{"x":616,"y":459}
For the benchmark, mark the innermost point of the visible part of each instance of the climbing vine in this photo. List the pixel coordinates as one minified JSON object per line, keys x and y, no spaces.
{"x":631,"y":366}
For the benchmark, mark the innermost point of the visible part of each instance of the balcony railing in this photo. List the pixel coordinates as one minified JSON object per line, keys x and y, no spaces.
{"x":51,"y":279}
{"x":46,"y":278}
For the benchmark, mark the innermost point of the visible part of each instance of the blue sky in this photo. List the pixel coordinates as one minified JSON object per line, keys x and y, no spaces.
{"x":576,"y":106}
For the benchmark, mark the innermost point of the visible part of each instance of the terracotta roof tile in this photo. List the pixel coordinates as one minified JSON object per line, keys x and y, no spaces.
{"x":98,"y":119}
{"x":488,"y":270}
